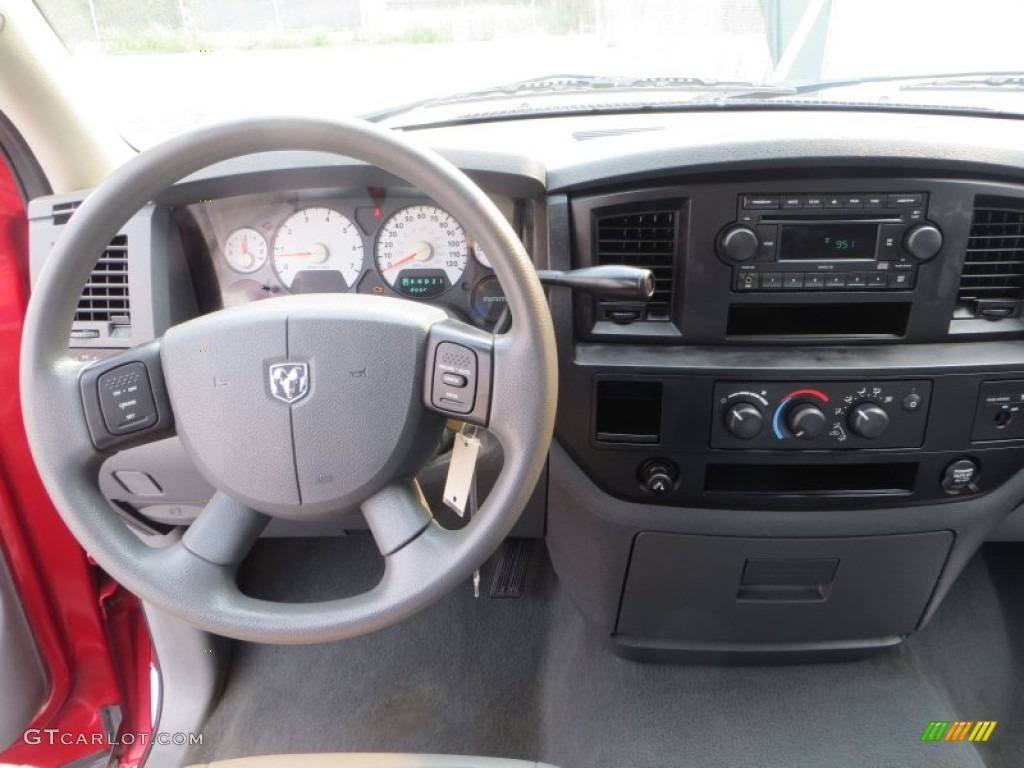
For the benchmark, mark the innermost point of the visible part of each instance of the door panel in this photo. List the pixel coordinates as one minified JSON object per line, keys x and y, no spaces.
{"x":22,"y":678}
{"x":52,"y":584}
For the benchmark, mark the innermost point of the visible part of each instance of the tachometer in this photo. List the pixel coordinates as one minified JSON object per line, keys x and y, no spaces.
{"x":318,"y":244}
{"x":422,"y":251}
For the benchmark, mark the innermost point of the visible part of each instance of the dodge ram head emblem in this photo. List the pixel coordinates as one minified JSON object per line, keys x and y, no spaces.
{"x":289,"y":381}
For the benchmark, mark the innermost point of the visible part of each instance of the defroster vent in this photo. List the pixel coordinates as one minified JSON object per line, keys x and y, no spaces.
{"x":105,"y":297}
{"x":992,"y":281}
{"x":646,"y":239}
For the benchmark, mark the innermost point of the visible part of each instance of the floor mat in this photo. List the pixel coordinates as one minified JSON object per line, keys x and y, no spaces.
{"x":529,"y":678}
{"x":603,"y":711}
{"x":459,"y":677}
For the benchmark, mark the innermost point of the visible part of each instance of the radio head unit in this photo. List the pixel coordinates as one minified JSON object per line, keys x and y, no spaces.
{"x":863,"y":242}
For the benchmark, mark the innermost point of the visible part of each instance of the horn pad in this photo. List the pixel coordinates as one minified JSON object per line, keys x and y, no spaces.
{"x":302,"y":406}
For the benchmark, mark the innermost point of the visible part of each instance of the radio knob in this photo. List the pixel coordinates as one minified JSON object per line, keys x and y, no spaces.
{"x":740,"y":244}
{"x":744,"y":421}
{"x":868,"y":420}
{"x":806,"y":421}
{"x":923,"y":241}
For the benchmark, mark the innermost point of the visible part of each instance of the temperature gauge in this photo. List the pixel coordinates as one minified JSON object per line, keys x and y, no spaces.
{"x":480,"y":256}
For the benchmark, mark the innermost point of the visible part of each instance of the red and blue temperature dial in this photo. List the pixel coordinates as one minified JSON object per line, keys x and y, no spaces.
{"x":801,"y":415}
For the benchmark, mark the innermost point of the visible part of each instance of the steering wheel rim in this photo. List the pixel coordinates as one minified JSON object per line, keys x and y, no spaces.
{"x":195,"y":579}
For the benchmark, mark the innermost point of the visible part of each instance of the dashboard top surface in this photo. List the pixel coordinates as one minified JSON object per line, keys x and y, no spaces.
{"x":584,"y":149}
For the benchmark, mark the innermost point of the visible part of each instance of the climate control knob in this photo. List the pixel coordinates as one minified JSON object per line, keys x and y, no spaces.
{"x":739,"y":244}
{"x":744,"y":420}
{"x":806,"y":421}
{"x":868,"y":420}
{"x":923,"y":241}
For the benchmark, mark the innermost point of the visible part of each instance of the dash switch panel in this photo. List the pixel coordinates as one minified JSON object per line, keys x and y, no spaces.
{"x":1000,"y":413}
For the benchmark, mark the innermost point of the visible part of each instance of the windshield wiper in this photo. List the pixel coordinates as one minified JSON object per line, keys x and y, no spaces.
{"x":578,"y":84}
{"x":983,"y":82}
{"x":927,"y":81}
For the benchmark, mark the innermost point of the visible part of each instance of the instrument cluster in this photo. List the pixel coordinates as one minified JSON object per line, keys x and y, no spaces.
{"x":271,"y":244}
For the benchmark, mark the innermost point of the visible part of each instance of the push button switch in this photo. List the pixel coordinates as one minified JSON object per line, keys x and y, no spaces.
{"x":454,"y":379}
{"x":960,"y":477}
{"x":126,"y":399}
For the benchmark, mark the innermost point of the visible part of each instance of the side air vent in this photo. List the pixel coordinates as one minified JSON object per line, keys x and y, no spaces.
{"x":105,"y":297}
{"x":62,"y":211}
{"x":647,"y":240}
{"x":992,"y":282}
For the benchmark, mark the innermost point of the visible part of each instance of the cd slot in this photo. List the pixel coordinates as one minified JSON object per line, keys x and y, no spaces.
{"x":847,"y":320}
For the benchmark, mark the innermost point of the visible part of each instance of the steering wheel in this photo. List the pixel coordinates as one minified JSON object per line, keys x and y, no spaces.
{"x":294,"y":407}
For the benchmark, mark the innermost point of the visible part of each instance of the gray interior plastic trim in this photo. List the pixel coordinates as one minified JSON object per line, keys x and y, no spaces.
{"x":590,"y":534}
{"x":718,"y":141}
{"x":190,"y":664}
{"x":22,"y":678}
{"x":525,"y":175}
{"x":522,"y":415}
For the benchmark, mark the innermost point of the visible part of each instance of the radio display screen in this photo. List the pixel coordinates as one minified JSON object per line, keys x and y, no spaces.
{"x":828,"y":242}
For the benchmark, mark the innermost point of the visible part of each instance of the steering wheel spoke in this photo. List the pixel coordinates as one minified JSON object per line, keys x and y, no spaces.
{"x":224,"y":532}
{"x":125,"y":399}
{"x":397,"y":515}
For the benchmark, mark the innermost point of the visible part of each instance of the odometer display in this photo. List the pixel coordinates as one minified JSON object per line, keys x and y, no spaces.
{"x":422,"y":283}
{"x":421,"y":251}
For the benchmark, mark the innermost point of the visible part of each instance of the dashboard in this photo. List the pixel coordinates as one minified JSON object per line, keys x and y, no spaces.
{"x":788,"y":453}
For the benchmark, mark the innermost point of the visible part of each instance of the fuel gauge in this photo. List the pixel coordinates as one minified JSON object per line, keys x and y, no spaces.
{"x":245,"y":250}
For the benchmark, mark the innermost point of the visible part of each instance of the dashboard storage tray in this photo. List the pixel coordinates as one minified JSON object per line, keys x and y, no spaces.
{"x":704,"y":590}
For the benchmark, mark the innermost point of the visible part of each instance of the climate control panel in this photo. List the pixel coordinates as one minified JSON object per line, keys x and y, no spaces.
{"x":832,"y":415}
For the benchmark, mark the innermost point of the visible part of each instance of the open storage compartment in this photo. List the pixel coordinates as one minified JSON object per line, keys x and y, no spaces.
{"x":732,"y":591}
{"x":877,"y":479}
{"x":847,"y":320}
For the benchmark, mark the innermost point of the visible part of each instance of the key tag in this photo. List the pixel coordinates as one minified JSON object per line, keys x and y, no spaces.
{"x":460,"y":487}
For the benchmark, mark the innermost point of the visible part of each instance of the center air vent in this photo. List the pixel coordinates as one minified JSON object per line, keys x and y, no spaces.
{"x":647,"y":240}
{"x":105,"y":297}
{"x":992,"y":282}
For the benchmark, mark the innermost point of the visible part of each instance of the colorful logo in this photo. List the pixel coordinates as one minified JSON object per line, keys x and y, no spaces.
{"x":958,"y":730}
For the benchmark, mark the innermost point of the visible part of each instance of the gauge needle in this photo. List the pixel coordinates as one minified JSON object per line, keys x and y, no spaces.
{"x":317,"y":252}
{"x":425,"y":248}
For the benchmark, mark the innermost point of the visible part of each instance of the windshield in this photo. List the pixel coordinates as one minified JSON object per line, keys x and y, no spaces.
{"x":160,"y":66}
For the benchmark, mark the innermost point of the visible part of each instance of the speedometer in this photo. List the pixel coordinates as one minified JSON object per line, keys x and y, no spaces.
{"x":422,"y":251}
{"x":319,"y":248}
